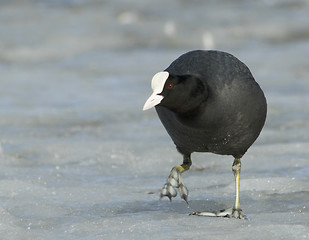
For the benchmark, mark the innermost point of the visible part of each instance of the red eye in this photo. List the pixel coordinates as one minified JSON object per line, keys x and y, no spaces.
{"x":170,"y":85}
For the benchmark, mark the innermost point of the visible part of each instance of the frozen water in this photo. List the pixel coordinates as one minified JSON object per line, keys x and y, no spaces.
{"x":80,"y":160}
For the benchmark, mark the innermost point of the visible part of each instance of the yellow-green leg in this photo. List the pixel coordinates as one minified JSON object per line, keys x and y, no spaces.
{"x":174,"y":181}
{"x":236,"y":170}
{"x":234,"y":212}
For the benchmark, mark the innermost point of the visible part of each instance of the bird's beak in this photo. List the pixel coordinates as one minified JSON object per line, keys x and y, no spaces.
{"x":157,"y":85}
{"x":152,"y":101}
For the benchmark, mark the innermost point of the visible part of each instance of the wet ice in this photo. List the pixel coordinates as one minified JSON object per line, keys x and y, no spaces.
{"x":79,"y":158}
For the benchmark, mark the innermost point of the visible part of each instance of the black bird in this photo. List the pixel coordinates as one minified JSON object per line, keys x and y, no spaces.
{"x":208,"y":101}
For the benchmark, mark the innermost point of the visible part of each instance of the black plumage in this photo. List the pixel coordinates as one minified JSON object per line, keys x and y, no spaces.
{"x":215,"y":105}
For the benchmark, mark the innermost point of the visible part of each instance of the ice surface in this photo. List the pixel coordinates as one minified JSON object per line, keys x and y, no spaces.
{"x":80,"y":160}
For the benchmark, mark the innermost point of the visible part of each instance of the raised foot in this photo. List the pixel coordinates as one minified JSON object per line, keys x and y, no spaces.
{"x":229,"y":213}
{"x":174,"y":181}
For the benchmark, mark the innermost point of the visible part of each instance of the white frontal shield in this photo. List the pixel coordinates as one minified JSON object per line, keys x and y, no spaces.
{"x":157,"y":85}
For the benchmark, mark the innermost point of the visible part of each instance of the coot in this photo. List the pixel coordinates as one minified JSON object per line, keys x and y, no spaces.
{"x":208,"y":101}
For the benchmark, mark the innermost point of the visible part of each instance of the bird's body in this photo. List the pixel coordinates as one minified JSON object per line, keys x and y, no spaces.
{"x":208,"y":101}
{"x":231,"y":117}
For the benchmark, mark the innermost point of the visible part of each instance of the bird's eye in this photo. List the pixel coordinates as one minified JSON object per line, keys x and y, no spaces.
{"x":170,"y":86}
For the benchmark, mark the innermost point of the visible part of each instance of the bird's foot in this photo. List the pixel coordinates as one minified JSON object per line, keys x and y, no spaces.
{"x":174,"y":181}
{"x":229,"y":213}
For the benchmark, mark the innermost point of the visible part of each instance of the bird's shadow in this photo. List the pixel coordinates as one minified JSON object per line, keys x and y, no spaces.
{"x":159,"y":206}
{"x":270,"y":203}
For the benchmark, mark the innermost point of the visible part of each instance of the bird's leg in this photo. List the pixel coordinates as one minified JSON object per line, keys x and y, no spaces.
{"x":234,"y":212}
{"x":174,"y":181}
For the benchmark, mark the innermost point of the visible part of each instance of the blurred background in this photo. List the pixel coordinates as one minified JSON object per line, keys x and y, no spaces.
{"x":80,"y":160}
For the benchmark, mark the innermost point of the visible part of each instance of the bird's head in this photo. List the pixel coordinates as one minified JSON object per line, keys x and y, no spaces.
{"x":179,"y":93}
